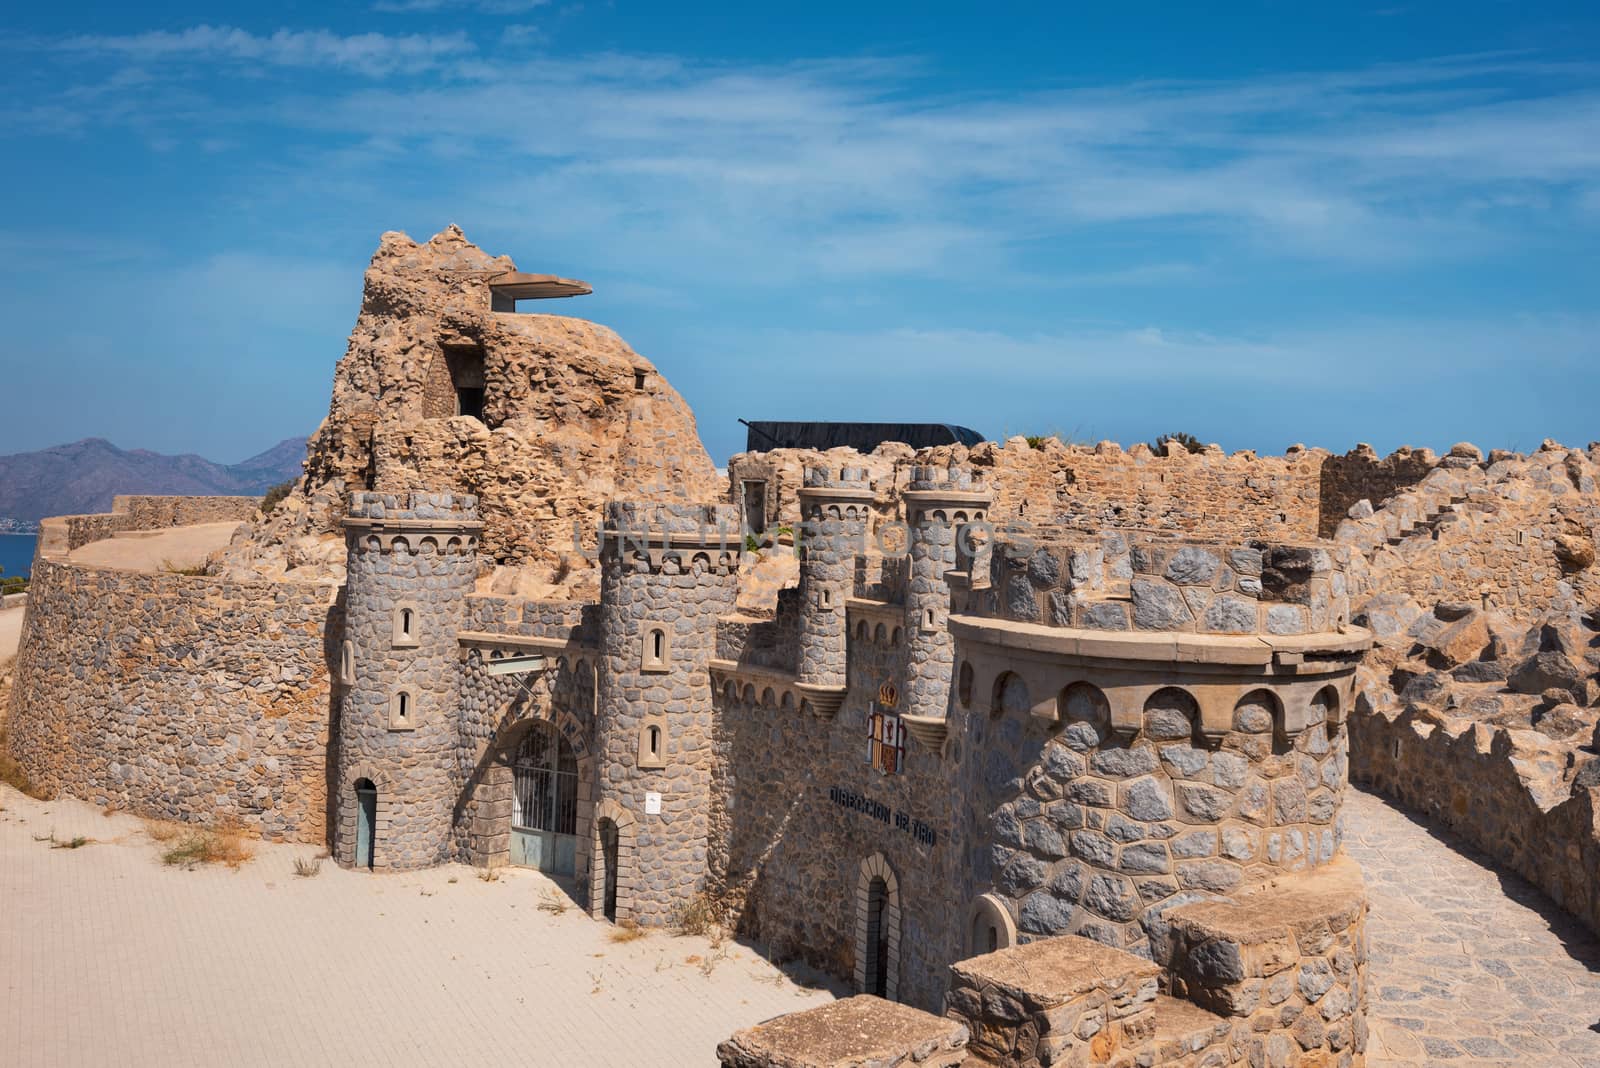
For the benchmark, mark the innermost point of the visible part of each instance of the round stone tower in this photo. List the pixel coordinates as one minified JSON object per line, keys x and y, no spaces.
{"x":412,"y":560}
{"x":667,"y":573}
{"x":939,"y":502}
{"x":834,"y":508}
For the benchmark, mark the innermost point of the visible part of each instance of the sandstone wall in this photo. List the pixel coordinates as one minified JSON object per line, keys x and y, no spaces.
{"x":65,"y":533}
{"x":1514,"y":794}
{"x":789,"y":792}
{"x":1362,"y":475}
{"x":1516,"y":535}
{"x":178,"y":697}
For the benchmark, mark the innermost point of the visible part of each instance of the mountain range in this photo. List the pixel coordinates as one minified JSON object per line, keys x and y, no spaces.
{"x":85,"y":475}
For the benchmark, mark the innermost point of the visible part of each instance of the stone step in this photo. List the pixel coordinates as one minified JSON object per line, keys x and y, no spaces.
{"x":1183,"y":1029}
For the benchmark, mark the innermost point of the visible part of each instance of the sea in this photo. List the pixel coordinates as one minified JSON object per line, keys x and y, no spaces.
{"x":16,"y":554}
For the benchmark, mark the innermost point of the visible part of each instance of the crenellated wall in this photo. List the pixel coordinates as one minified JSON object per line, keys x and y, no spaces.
{"x":62,"y":534}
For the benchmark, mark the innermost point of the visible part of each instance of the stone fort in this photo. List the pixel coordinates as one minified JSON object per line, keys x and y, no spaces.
{"x":1042,"y":748}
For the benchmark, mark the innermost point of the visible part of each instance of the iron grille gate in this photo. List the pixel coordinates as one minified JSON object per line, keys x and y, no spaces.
{"x":544,"y":803}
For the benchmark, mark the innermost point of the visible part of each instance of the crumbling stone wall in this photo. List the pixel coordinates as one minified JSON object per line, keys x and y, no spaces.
{"x":185,"y":698}
{"x":1516,"y":534}
{"x":1362,"y":475}
{"x":572,"y":417}
{"x":64,"y":533}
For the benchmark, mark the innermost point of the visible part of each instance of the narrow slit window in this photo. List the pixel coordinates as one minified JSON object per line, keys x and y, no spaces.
{"x":657,"y":651}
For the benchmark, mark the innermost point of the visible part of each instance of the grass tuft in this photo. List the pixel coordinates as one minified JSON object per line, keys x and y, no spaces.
{"x":697,"y":916}
{"x":307,"y":869}
{"x":196,"y":847}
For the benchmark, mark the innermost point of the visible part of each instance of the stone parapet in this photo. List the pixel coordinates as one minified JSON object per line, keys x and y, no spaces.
{"x":60,"y":535}
{"x":1290,"y":955}
{"x":1058,"y":1001}
{"x":1125,"y":582}
{"x":859,"y":1032}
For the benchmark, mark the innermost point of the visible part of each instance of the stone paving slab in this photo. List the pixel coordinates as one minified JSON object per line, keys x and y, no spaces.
{"x":107,"y":957}
{"x":1470,"y":966}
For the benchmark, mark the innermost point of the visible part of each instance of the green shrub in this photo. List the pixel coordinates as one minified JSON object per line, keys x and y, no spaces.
{"x":275,"y":495}
{"x":1188,"y":441}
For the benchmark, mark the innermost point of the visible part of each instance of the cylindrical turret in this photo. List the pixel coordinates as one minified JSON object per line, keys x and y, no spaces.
{"x":834,"y":508}
{"x":412,"y":560}
{"x":939,"y":501}
{"x":667,"y":573}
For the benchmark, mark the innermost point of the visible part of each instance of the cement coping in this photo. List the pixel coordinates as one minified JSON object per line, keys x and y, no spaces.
{"x":1051,"y":971}
{"x":1175,"y":647}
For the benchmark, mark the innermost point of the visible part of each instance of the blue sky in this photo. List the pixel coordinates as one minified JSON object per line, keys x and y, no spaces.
{"x":1277,"y":223}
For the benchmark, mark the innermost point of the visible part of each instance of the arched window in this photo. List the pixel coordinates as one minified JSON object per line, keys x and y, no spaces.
{"x":989,"y":926}
{"x":653,"y":743}
{"x":402,"y":712}
{"x":964,"y":685}
{"x":1010,"y":696}
{"x":405,"y":625}
{"x":657,"y":653}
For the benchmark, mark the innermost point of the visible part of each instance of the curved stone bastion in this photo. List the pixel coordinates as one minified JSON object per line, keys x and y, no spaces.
{"x":178,"y":696}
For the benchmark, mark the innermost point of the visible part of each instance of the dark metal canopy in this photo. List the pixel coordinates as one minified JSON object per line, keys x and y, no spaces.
{"x":863,"y":437}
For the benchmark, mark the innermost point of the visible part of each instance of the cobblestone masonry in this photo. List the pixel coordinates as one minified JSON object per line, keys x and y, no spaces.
{"x":399,"y":714}
{"x":668,"y":573}
{"x":181,"y":697}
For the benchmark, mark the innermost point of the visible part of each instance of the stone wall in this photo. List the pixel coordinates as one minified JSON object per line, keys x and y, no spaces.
{"x":1516,"y":795}
{"x":1362,"y":475}
{"x":803,"y":810}
{"x":1126,"y":582}
{"x":1513,"y":535}
{"x":178,"y":697}
{"x":65,"y":533}
{"x":1080,"y":832}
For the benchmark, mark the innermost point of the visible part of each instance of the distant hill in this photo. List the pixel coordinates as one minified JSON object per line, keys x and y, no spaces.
{"x":85,"y":475}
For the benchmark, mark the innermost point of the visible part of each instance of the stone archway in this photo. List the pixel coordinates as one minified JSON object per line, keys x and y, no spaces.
{"x":347,"y":831}
{"x":491,"y":795}
{"x":877,"y":929}
{"x":612,"y":875}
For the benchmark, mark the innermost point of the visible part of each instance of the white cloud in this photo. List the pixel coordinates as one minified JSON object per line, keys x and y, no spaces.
{"x":486,"y":7}
{"x":364,"y":53}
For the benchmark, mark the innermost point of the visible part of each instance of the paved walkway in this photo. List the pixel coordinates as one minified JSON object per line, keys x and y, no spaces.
{"x":1469,"y":966}
{"x":107,"y":957}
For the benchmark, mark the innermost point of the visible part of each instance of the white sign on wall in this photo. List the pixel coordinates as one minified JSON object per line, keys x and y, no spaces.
{"x":652,"y":803}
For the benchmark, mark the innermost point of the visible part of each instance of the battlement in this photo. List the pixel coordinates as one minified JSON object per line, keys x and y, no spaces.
{"x":1150,"y":583}
{"x":933,"y":479}
{"x":844,"y":477}
{"x":684,"y":524}
{"x":437,"y":508}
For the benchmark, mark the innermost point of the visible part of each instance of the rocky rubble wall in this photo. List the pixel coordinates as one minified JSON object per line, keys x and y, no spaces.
{"x":178,"y":697}
{"x":65,"y":533}
{"x":1515,"y":534}
{"x":1362,"y":475}
{"x":571,"y":418}
{"x":1517,"y":796}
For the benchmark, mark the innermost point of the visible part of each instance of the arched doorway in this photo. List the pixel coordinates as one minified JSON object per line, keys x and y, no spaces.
{"x":877,"y":929}
{"x":366,"y":822}
{"x":544,"y":801}
{"x":608,"y":857}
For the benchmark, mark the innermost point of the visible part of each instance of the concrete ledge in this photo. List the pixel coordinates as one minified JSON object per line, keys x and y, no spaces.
{"x":858,"y":1031}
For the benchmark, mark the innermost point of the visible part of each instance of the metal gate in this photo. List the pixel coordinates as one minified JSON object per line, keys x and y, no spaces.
{"x":544,"y":805}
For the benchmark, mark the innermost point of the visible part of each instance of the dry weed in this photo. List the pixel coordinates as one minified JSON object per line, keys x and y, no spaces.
{"x":203,"y":846}
{"x":627,"y":931}
{"x":307,"y":869}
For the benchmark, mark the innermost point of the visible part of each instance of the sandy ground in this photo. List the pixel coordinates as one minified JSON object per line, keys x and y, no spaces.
{"x":175,"y":548}
{"x":108,"y":956}
{"x":10,"y":633}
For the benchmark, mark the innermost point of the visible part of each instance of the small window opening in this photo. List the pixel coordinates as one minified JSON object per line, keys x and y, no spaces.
{"x":657,"y":651}
{"x":640,"y":379}
{"x":402,"y":713}
{"x":930,"y":619}
{"x":755,"y":506}
{"x":467,"y":377}
{"x":347,"y":663}
{"x":405,"y":622}
{"x":653,"y":741}
{"x":658,"y":644}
